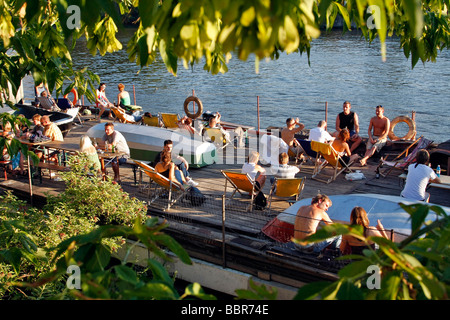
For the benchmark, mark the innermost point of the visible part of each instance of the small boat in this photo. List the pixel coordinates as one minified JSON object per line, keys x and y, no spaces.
{"x":64,"y":120}
{"x":383,"y":207}
{"x":146,"y":141}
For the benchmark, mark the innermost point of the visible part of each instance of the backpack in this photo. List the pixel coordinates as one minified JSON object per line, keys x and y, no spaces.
{"x":195,"y":196}
{"x":260,"y":201}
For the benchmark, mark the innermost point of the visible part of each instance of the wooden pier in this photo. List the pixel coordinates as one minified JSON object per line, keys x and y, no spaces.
{"x":228,"y":236}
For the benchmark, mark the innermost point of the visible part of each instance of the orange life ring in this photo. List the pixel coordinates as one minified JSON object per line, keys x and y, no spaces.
{"x":75,"y":93}
{"x":186,"y":107}
{"x":412,"y":128}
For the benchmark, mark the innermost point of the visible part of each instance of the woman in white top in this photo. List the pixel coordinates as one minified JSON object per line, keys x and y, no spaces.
{"x":254,"y":170}
{"x":419,"y":175}
{"x":102,"y":101}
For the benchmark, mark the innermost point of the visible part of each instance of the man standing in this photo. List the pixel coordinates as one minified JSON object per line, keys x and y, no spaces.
{"x":348,"y":119}
{"x":114,"y":138}
{"x":377,"y":139}
{"x":307,"y":220}
{"x":288,"y":134}
{"x":320,"y":134}
{"x":183,"y":166}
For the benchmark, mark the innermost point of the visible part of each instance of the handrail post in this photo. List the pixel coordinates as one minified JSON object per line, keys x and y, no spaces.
{"x":224,"y":261}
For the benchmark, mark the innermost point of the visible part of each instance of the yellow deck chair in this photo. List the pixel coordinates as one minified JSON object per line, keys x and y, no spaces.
{"x":151,"y":121}
{"x":120,"y":115}
{"x":216,"y":137}
{"x":332,"y":158}
{"x":170,"y":120}
{"x":172,"y":186}
{"x":240,"y":182}
{"x":286,"y":189}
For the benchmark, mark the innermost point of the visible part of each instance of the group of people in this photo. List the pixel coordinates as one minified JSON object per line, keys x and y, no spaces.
{"x":345,"y":139}
{"x":309,"y":217}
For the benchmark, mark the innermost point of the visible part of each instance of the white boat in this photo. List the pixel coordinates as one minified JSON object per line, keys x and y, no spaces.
{"x":146,"y":141}
{"x":383,"y":207}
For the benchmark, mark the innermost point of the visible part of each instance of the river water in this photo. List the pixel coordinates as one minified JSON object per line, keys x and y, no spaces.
{"x":342,"y":67}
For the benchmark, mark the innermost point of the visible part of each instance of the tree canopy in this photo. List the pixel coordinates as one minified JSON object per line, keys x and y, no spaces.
{"x":36,"y":37}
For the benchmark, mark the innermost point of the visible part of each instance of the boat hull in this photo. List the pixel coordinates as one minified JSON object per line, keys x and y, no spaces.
{"x":385,"y":208}
{"x":145,"y":142}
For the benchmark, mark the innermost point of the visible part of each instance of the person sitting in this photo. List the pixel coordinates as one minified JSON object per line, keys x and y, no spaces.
{"x":168,"y":169}
{"x":349,"y":120}
{"x":47,"y":102}
{"x":183,"y":165}
{"x":214,"y":123}
{"x":320,"y":133}
{"x":341,"y":146}
{"x":380,"y":125}
{"x":352,"y":245}
{"x":185,"y":123}
{"x":135,"y":117}
{"x":17,"y":159}
{"x":89,"y":150}
{"x":254,"y":170}
{"x":52,"y":132}
{"x":38,"y":130}
{"x":306,"y":222}
{"x":113,"y":138}
{"x":102,"y":101}
{"x":123,"y":97}
{"x":419,"y":175}
{"x":283,"y":170}
{"x":288,"y":135}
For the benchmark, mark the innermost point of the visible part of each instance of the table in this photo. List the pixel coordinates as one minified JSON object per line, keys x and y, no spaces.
{"x":445,"y":183}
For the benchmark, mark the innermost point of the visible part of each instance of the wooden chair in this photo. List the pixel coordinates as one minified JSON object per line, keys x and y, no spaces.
{"x":286,"y":189}
{"x":404,"y":159}
{"x":173,"y":187}
{"x":332,"y":158}
{"x":240,"y":182}
{"x":170,"y":120}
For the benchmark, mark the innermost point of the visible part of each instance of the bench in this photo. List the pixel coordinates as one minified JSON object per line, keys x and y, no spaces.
{"x":50,"y":167}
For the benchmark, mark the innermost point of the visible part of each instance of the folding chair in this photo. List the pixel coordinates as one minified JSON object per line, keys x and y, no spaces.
{"x":170,"y":120}
{"x":403,"y":160}
{"x":240,"y":182}
{"x":47,"y":103}
{"x":171,"y":186}
{"x":216,"y":137}
{"x":151,"y":121}
{"x":119,"y":114}
{"x":332,"y":158}
{"x":285,"y":189}
{"x":306,"y":147}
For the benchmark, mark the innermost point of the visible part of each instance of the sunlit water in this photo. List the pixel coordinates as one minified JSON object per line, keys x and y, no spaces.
{"x":342,"y":67}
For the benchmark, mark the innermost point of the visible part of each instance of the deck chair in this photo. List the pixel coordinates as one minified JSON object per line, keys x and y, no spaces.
{"x":171,"y":186}
{"x":285,"y":189}
{"x":170,"y":120}
{"x":120,"y":115}
{"x":308,"y":152}
{"x":332,"y":158}
{"x":240,"y":182}
{"x":48,"y":104}
{"x":216,"y":137}
{"x":404,"y":159}
{"x":151,"y":121}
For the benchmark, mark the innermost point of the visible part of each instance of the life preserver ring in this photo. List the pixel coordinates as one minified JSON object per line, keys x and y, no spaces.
{"x":186,"y":107}
{"x":75,"y":94}
{"x":412,"y":128}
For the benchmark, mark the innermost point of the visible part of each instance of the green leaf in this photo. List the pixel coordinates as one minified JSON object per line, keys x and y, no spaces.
{"x":126,"y":274}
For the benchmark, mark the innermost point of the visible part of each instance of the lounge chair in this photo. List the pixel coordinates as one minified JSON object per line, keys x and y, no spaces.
{"x":151,"y":121}
{"x":120,"y":115}
{"x":332,"y":158}
{"x":216,"y":137}
{"x":306,"y":146}
{"x":48,"y":104}
{"x":170,"y":120}
{"x":404,"y":159}
{"x":285,"y":189}
{"x":172,"y":187}
{"x":240,"y":182}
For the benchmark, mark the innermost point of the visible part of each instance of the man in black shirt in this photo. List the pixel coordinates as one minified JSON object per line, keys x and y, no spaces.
{"x":348,"y":119}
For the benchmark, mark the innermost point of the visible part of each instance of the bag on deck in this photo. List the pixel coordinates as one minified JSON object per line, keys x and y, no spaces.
{"x":260,"y":201}
{"x":196,"y":197}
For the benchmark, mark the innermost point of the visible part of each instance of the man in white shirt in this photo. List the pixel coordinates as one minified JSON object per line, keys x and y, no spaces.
{"x":115,"y":138}
{"x":419,"y":174}
{"x":320,"y":134}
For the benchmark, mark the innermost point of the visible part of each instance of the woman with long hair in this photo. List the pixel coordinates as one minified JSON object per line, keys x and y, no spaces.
{"x":89,"y":150}
{"x":341,"y":146}
{"x":352,"y":245}
{"x":168,"y":169}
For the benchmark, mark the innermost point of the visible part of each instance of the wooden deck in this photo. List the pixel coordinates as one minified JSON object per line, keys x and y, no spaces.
{"x":199,"y":229}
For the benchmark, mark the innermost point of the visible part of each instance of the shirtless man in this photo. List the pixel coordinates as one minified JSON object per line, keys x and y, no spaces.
{"x":288,"y":133}
{"x":348,"y":119}
{"x":307,"y":220}
{"x":377,"y":140}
